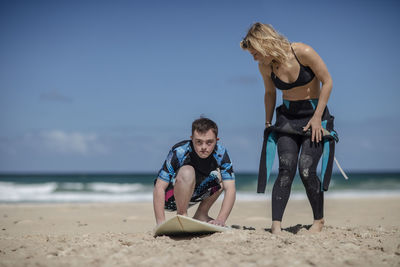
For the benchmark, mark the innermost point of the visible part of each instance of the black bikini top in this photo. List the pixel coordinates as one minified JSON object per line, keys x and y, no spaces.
{"x":305,"y":76}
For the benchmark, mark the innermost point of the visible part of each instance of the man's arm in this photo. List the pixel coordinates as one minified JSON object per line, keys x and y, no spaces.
{"x":164,"y":178}
{"x":227,"y":203}
{"x":228,"y":183}
{"x":159,"y":200}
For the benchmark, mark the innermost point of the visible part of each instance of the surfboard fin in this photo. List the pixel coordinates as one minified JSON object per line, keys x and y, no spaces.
{"x":340,"y":169}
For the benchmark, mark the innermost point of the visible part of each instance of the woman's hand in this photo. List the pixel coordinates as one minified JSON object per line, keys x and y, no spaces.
{"x":316,"y":129}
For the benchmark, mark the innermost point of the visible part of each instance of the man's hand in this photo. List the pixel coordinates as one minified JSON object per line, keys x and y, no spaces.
{"x":158,"y":223}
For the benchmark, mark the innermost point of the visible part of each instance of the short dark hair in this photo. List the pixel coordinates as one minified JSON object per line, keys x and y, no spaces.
{"x":202,"y":125}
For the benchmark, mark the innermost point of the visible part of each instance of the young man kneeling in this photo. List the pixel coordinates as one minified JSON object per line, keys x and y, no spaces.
{"x":196,"y":170}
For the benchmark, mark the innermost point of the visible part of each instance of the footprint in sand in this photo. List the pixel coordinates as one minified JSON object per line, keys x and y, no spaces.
{"x":24,"y":222}
{"x":81,"y":224}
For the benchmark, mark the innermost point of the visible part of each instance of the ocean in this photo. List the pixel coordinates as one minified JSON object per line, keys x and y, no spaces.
{"x":136,"y":187}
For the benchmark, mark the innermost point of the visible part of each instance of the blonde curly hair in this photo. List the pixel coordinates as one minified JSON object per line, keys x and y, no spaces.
{"x":267,"y":41}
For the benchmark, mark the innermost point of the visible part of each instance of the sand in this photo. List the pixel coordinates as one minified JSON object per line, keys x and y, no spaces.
{"x":358,"y":232}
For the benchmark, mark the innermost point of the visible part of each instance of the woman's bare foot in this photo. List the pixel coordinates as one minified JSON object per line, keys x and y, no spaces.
{"x":317,"y":226}
{"x":276,"y":227}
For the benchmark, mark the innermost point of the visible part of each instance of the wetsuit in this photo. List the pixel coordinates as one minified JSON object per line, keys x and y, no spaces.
{"x":207,"y":181}
{"x":288,"y":136}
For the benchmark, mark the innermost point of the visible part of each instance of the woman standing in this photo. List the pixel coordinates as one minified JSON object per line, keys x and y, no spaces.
{"x":303,"y":121}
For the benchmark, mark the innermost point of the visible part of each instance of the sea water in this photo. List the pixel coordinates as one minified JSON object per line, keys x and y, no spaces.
{"x":138,"y":187}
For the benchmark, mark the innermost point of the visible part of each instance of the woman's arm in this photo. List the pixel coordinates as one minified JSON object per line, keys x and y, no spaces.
{"x":309,"y":57}
{"x":270,"y":94}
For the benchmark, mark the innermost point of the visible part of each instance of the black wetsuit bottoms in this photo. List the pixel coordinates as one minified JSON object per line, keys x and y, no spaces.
{"x":289,"y":146}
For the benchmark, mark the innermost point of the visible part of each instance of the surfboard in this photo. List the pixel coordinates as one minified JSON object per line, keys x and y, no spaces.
{"x":182,"y":225}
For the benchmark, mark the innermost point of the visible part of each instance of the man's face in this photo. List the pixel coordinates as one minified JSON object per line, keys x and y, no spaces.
{"x":204,"y":143}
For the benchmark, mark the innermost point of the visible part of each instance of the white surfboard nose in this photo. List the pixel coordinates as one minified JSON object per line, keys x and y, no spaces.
{"x":183,"y":225}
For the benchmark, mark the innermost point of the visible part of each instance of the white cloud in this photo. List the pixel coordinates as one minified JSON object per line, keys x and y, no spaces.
{"x":72,"y":143}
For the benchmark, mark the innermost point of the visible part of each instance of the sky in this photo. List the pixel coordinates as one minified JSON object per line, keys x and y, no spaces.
{"x":110,"y":86}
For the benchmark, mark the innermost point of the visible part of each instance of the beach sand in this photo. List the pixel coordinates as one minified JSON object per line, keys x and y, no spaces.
{"x":358,"y":232}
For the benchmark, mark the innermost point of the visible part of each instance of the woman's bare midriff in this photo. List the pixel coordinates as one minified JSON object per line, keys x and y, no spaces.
{"x":309,"y":91}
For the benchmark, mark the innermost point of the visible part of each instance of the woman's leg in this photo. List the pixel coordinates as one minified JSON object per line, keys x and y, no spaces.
{"x":288,"y":149}
{"x":310,"y":154}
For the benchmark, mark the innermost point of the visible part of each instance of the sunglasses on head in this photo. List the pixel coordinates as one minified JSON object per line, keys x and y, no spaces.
{"x":245,"y":43}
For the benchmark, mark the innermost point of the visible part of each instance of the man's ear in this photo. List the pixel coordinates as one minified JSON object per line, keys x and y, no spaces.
{"x":217,"y":139}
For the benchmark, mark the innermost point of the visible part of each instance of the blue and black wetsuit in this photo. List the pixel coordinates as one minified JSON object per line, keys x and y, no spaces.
{"x":207,"y":182}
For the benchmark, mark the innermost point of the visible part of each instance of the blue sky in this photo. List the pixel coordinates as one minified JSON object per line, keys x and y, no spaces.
{"x":93,"y":86}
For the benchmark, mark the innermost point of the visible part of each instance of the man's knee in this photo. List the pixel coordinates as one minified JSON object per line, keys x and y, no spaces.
{"x":186,"y":174}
